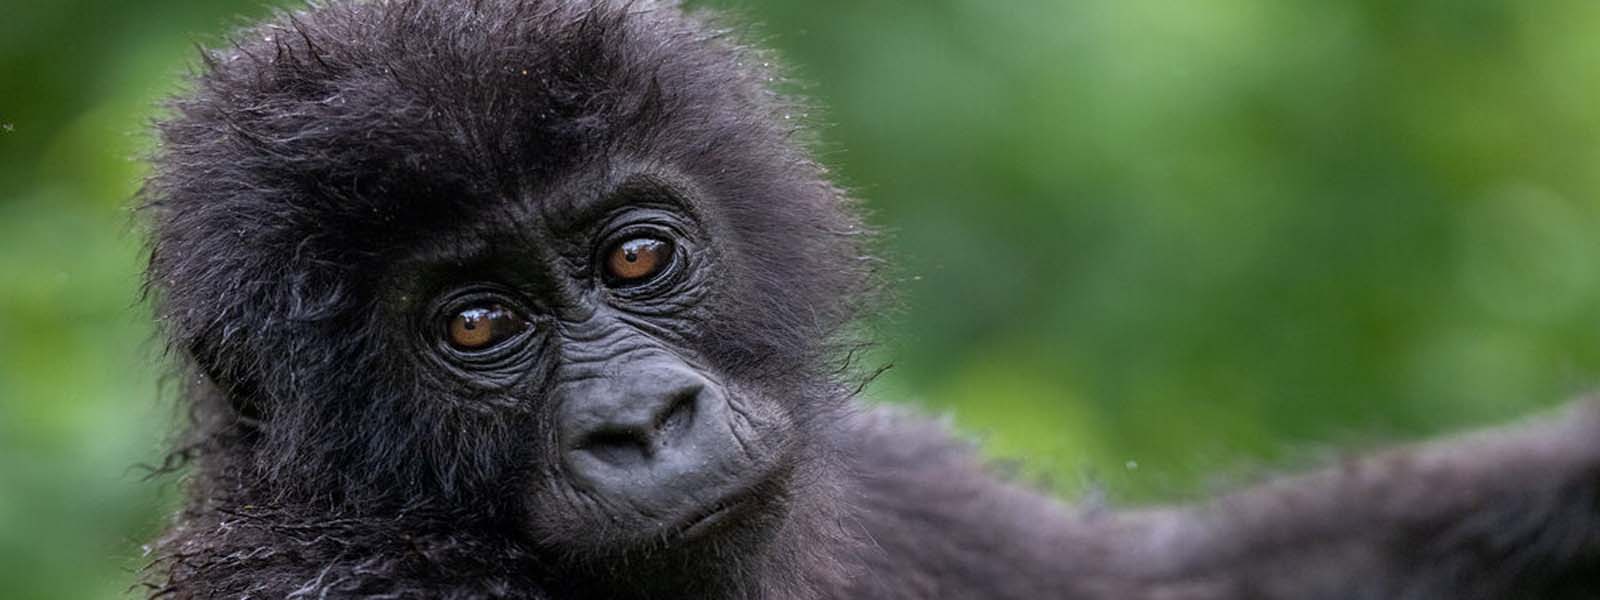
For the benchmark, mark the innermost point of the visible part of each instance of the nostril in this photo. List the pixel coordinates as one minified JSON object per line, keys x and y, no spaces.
{"x":619,"y":447}
{"x":676,"y":419}
{"x":635,"y":429}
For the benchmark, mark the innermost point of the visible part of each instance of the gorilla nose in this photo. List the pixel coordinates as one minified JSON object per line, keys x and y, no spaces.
{"x":653,"y":437}
{"x":640,"y":428}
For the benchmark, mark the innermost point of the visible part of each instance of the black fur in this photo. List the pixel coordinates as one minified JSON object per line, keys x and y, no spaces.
{"x":322,"y":156}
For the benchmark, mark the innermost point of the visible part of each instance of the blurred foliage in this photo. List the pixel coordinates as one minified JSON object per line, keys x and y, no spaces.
{"x":1140,"y":242}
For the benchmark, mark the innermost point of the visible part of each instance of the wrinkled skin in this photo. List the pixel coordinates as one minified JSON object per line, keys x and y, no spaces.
{"x":540,"y":299}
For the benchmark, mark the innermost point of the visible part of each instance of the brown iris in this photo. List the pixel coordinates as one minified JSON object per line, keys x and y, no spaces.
{"x":482,"y":327}
{"x":638,"y":259}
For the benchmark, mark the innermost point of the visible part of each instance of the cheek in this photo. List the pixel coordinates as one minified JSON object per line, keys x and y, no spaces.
{"x":783,"y":409}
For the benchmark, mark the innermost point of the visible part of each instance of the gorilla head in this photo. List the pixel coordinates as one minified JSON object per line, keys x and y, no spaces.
{"x":548,"y":281}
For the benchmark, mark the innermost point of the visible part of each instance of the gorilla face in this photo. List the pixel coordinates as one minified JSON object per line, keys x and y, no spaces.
{"x":578,"y":307}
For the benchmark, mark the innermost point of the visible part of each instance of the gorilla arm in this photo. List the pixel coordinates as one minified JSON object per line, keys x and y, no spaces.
{"x":1507,"y":512}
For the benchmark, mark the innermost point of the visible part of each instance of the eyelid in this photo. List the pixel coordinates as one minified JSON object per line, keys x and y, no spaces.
{"x":662,"y":227}
{"x":637,"y":192}
{"x":636,"y":221}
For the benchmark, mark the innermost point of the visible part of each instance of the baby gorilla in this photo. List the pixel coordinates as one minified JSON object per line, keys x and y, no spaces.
{"x":547,"y":299}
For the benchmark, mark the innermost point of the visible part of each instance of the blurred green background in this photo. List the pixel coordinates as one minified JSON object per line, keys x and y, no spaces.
{"x":1141,"y":243}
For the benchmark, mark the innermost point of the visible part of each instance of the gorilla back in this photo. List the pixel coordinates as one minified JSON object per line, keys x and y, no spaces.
{"x":547,"y":299}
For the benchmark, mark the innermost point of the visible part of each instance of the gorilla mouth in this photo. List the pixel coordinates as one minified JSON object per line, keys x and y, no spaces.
{"x":753,"y":501}
{"x":718,"y":516}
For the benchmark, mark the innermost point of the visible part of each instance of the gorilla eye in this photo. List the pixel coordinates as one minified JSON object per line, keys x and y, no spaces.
{"x":638,"y":259}
{"x":483,"y":327}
